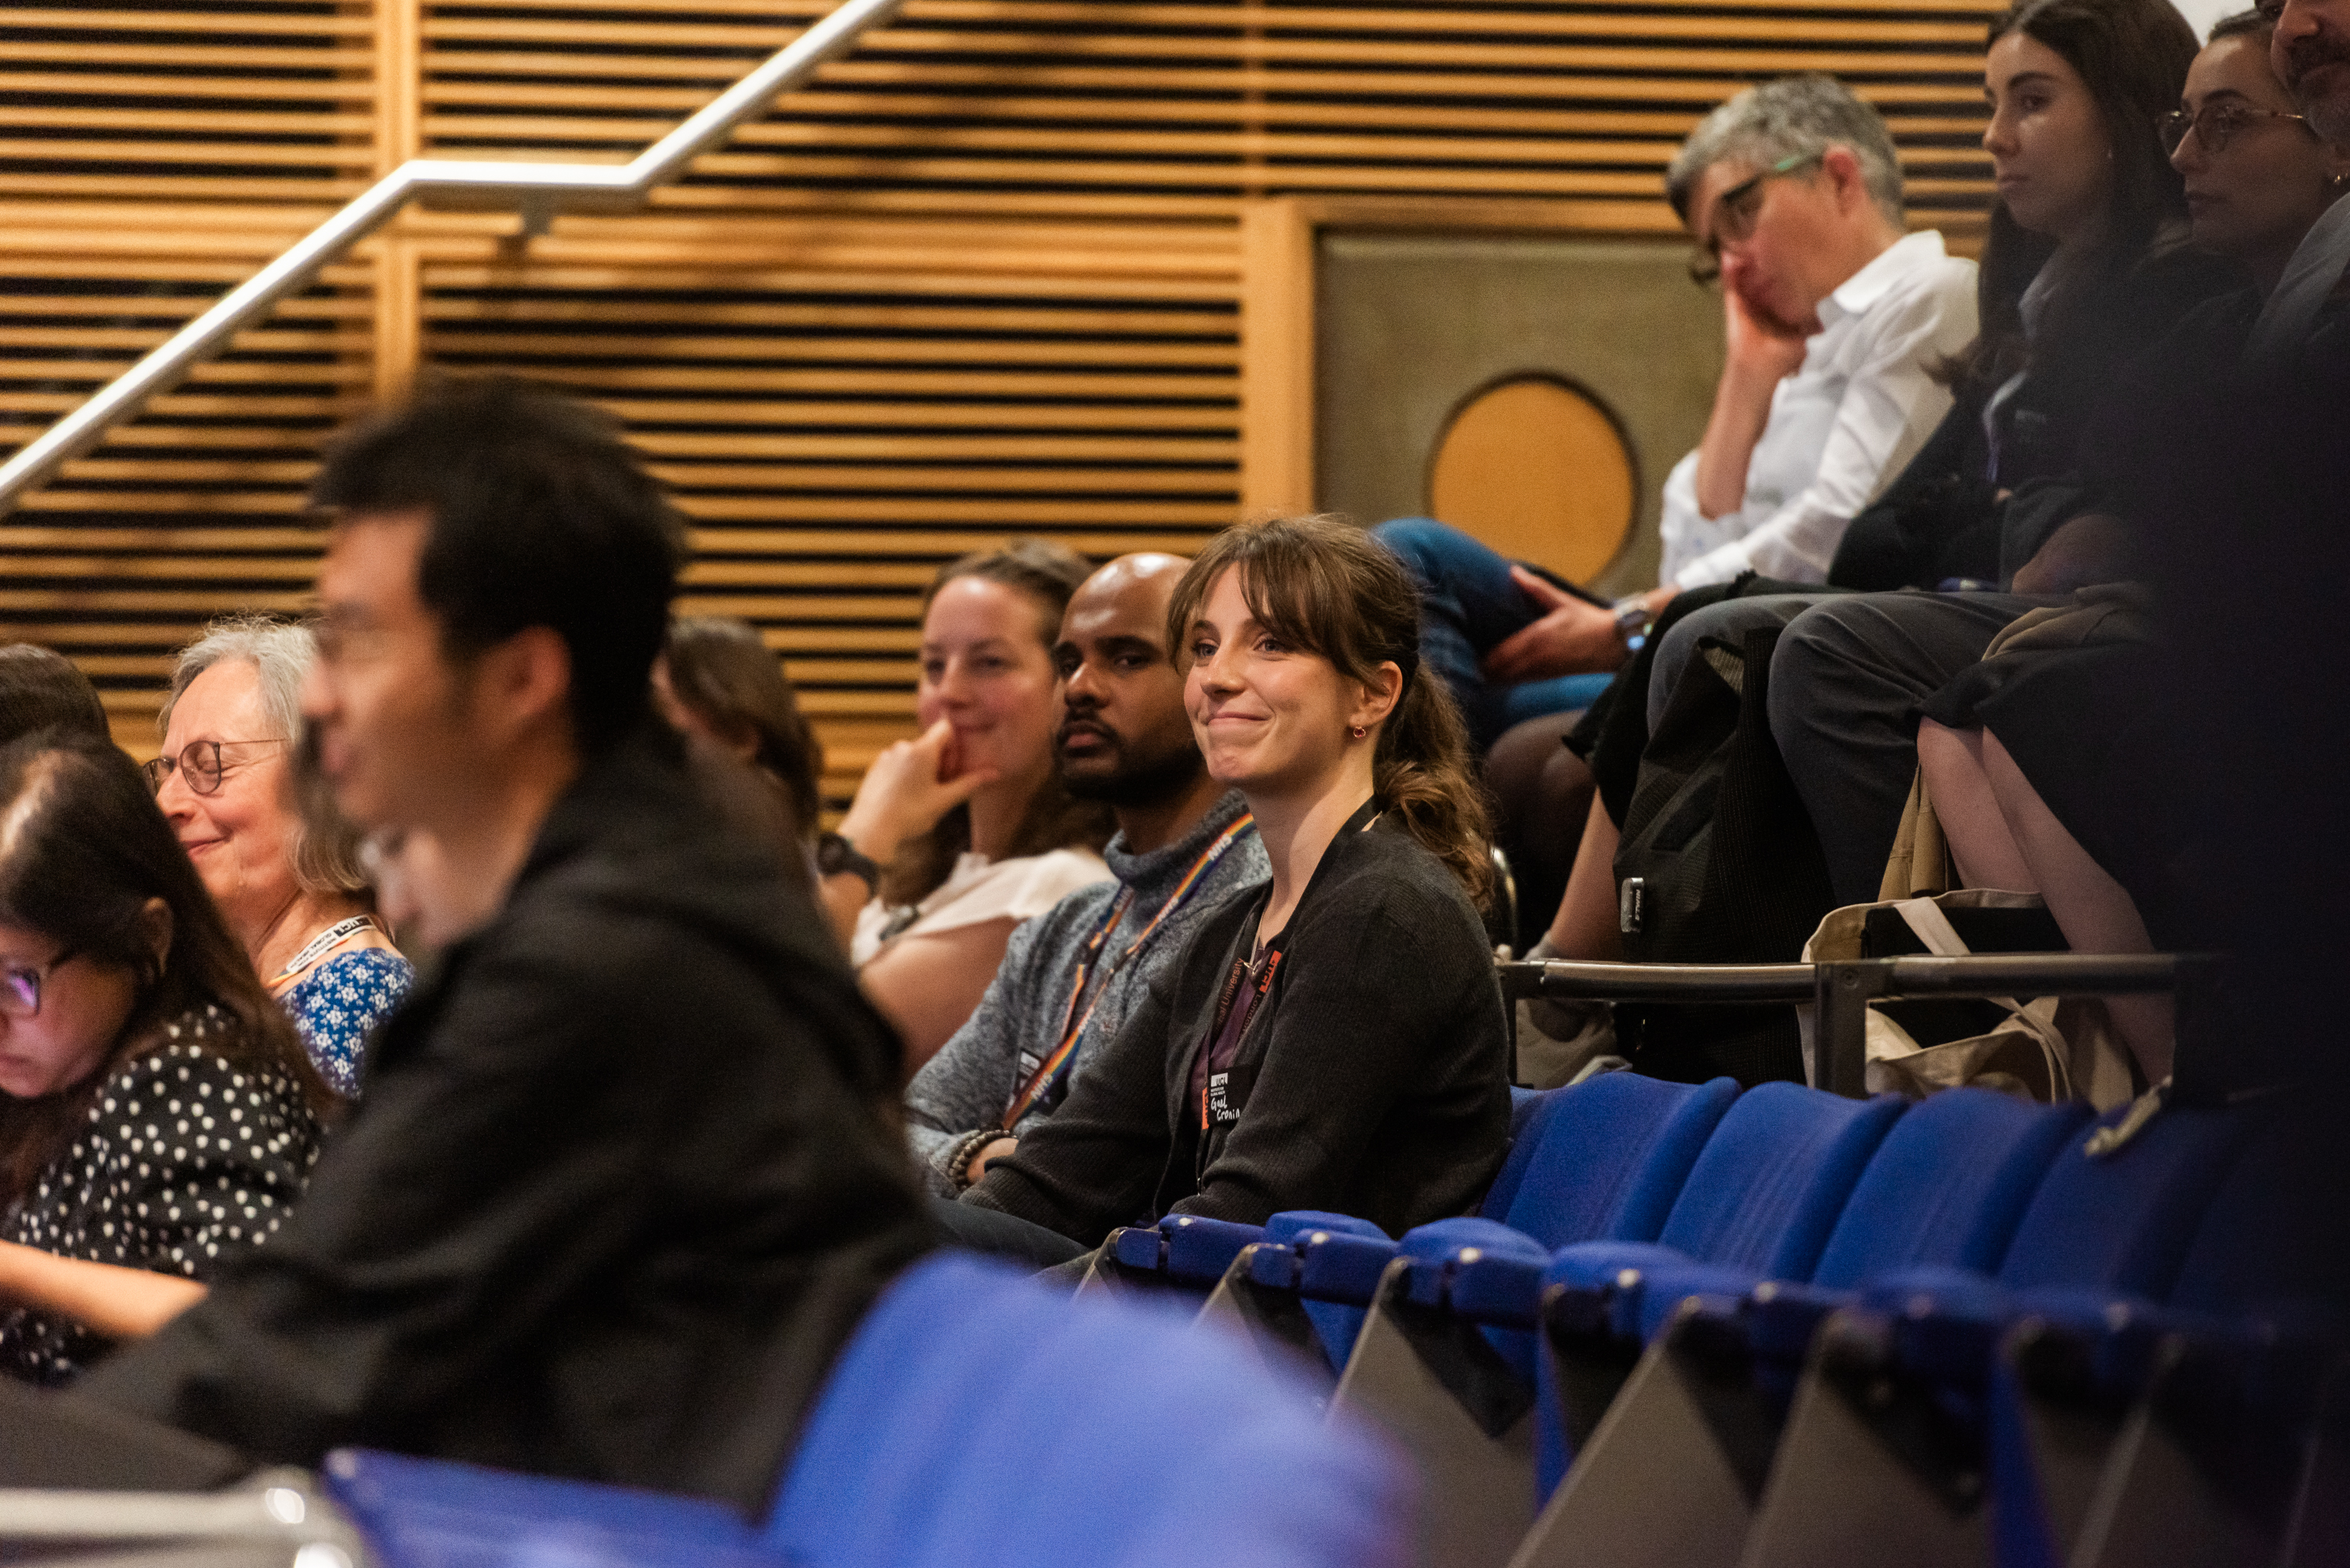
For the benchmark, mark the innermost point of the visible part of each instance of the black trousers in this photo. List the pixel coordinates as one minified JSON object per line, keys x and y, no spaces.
{"x":1845,"y":685}
{"x":991,"y":1230}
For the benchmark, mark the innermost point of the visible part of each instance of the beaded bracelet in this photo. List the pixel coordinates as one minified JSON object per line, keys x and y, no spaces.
{"x":964,"y":1149}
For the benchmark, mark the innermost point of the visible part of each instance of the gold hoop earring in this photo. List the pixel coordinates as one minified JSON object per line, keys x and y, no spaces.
{"x":1356,"y":730}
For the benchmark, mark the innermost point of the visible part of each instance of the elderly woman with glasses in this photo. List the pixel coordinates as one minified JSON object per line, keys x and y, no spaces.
{"x":282,"y":867}
{"x":158,"y":1115}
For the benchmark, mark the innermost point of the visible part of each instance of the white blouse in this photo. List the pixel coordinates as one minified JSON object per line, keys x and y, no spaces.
{"x":979,"y":889}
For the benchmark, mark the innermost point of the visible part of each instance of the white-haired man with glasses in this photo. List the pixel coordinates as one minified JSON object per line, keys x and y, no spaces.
{"x":1833,"y":321}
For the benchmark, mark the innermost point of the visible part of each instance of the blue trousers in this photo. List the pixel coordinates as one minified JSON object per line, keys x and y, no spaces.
{"x":1469,"y":605}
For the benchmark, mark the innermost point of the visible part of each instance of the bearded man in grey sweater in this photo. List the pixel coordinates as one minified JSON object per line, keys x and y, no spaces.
{"x":1071,"y":975}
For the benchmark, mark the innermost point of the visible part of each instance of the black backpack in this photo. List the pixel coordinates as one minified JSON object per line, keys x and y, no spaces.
{"x":1716,"y":863}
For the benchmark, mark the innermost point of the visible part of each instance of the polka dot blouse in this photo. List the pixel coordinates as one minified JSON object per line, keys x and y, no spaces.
{"x":186,"y":1161}
{"x":337,"y":1005}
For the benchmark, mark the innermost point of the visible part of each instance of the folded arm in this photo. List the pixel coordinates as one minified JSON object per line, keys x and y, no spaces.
{"x":107,"y":1298}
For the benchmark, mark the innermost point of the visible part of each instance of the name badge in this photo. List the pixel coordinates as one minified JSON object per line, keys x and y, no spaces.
{"x":1029,"y":1063}
{"x":1220,"y":1108}
{"x":1228,"y":1093}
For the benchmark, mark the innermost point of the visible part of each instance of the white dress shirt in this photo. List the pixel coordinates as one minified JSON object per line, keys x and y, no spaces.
{"x":1841,"y":427}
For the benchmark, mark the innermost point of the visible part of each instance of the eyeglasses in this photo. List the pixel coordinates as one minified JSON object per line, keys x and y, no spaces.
{"x":2215,"y":124}
{"x":199,"y":762}
{"x":1735,"y":211}
{"x":20,"y":988}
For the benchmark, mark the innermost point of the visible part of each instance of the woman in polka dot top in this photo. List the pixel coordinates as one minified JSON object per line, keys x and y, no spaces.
{"x":158,"y":1115}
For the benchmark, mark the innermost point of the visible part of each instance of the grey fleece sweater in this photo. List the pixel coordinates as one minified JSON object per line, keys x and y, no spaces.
{"x":977,"y":1072}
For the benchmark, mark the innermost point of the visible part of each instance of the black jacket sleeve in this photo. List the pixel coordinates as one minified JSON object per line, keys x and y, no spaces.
{"x":1094,"y":1163}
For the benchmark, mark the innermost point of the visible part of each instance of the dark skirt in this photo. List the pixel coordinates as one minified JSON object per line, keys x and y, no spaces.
{"x":2086,"y":727}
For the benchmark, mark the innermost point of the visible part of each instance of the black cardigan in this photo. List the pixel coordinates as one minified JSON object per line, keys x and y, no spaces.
{"x":1376,"y":1068}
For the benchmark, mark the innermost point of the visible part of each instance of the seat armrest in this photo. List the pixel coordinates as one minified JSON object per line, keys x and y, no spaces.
{"x":1579,"y":1285}
{"x":1138,"y":1247}
{"x":1782,"y":1315}
{"x":1438,"y":1251}
{"x":1334,"y":1267}
{"x":1198,"y":1249}
{"x":1497,"y":1288}
{"x":1943,"y":1324}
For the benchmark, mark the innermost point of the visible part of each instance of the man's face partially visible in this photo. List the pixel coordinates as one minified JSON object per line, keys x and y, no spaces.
{"x":1123,"y":738}
{"x":2311,"y":51}
{"x":386,"y":700}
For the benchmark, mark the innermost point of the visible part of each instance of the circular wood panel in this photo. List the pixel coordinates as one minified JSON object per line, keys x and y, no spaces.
{"x":1539,"y":471}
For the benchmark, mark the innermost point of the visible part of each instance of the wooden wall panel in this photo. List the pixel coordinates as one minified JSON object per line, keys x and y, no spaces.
{"x":982,"y":278}
{"x":841,"y":406}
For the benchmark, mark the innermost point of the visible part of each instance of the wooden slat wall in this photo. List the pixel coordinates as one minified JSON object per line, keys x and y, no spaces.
{"x":983,"y":278}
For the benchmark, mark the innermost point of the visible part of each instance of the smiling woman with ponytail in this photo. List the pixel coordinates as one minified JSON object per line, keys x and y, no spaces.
{"x":1335,"y":1040}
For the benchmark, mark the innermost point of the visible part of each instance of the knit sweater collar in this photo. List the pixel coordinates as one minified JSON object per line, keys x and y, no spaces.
{"x":1153,"y":876}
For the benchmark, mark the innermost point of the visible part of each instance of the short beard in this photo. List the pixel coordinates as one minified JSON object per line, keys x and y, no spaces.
{"x":2330,"y":118}
{"x":1154,"y":781}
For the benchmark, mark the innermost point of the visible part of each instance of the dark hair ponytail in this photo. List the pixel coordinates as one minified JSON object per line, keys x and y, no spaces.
{"x":1322,"y":585}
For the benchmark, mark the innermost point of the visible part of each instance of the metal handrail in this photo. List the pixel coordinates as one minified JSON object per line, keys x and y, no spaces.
{"x":1842,"y":989}
{"x":539,"y":189}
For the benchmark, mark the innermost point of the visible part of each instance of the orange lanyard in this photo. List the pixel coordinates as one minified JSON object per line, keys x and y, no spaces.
{"x":1052,"y":1066}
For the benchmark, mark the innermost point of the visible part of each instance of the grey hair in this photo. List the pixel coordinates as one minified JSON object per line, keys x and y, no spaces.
{"x":1791,"y":118}
{"x":325,"y":846}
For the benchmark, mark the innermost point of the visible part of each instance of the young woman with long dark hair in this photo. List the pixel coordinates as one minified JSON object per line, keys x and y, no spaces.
{"x":157,"y":1113}
{"x":1335,"y":1039}
{"x":2088,"y":261}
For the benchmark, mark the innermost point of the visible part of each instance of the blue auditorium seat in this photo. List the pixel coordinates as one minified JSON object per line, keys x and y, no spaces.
{"x":1892,"y":1409}
{"x":974,"y":1416}
{"x":1949,"y":1184}
{"x":430,"y":1513}
{"x":1441,"y":1363}
{"x":1602,"y":1158}
{"x":2227,"y":1370}
{"x":1762,"y":1202}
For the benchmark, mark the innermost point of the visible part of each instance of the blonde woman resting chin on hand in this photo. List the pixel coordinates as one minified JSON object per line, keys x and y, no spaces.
{"x":958,"y":836}
{"x":158,"y":1115}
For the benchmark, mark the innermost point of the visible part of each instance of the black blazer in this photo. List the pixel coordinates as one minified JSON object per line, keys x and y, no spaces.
{"x":620,"y":1187}
{"x":1373,"y":1078}
{"x":1941,"y":516}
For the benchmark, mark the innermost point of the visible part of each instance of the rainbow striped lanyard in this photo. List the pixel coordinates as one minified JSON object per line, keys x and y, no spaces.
{"x":1052,"y":1066}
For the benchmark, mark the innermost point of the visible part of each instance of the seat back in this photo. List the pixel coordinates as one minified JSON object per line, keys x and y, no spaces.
{"x":2277,"y":1230}
{"x":1948,"y":1185}
{"x":1606,"y":1158}
{"x":1529,"y":1110}
{"x":433,"y":1513}
{"x":1770,"y":1181}
{"x":2123,"y":1222}
{"x":973,"y":1410}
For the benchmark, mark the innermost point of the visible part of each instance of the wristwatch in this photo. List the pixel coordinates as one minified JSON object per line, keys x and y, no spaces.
{"x":1634,"y":619}
{"x":835,"y":855}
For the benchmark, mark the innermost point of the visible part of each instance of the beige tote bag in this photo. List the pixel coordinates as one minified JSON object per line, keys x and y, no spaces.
{"x":2046,"y":1049}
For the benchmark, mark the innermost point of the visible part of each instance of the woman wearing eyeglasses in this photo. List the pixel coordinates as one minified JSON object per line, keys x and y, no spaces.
{"x":2052,"y":770}
{"x":158,"y":1115}
{"x":277,"y":860}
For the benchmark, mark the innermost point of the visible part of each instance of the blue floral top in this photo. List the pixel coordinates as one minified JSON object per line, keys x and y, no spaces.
{"x":337,"y":1005}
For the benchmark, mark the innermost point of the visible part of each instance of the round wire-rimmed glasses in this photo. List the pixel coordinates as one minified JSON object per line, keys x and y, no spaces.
{"x":200,"y":763}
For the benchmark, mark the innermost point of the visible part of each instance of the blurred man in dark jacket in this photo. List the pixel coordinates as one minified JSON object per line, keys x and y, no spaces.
{"x":622,"y":1183}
